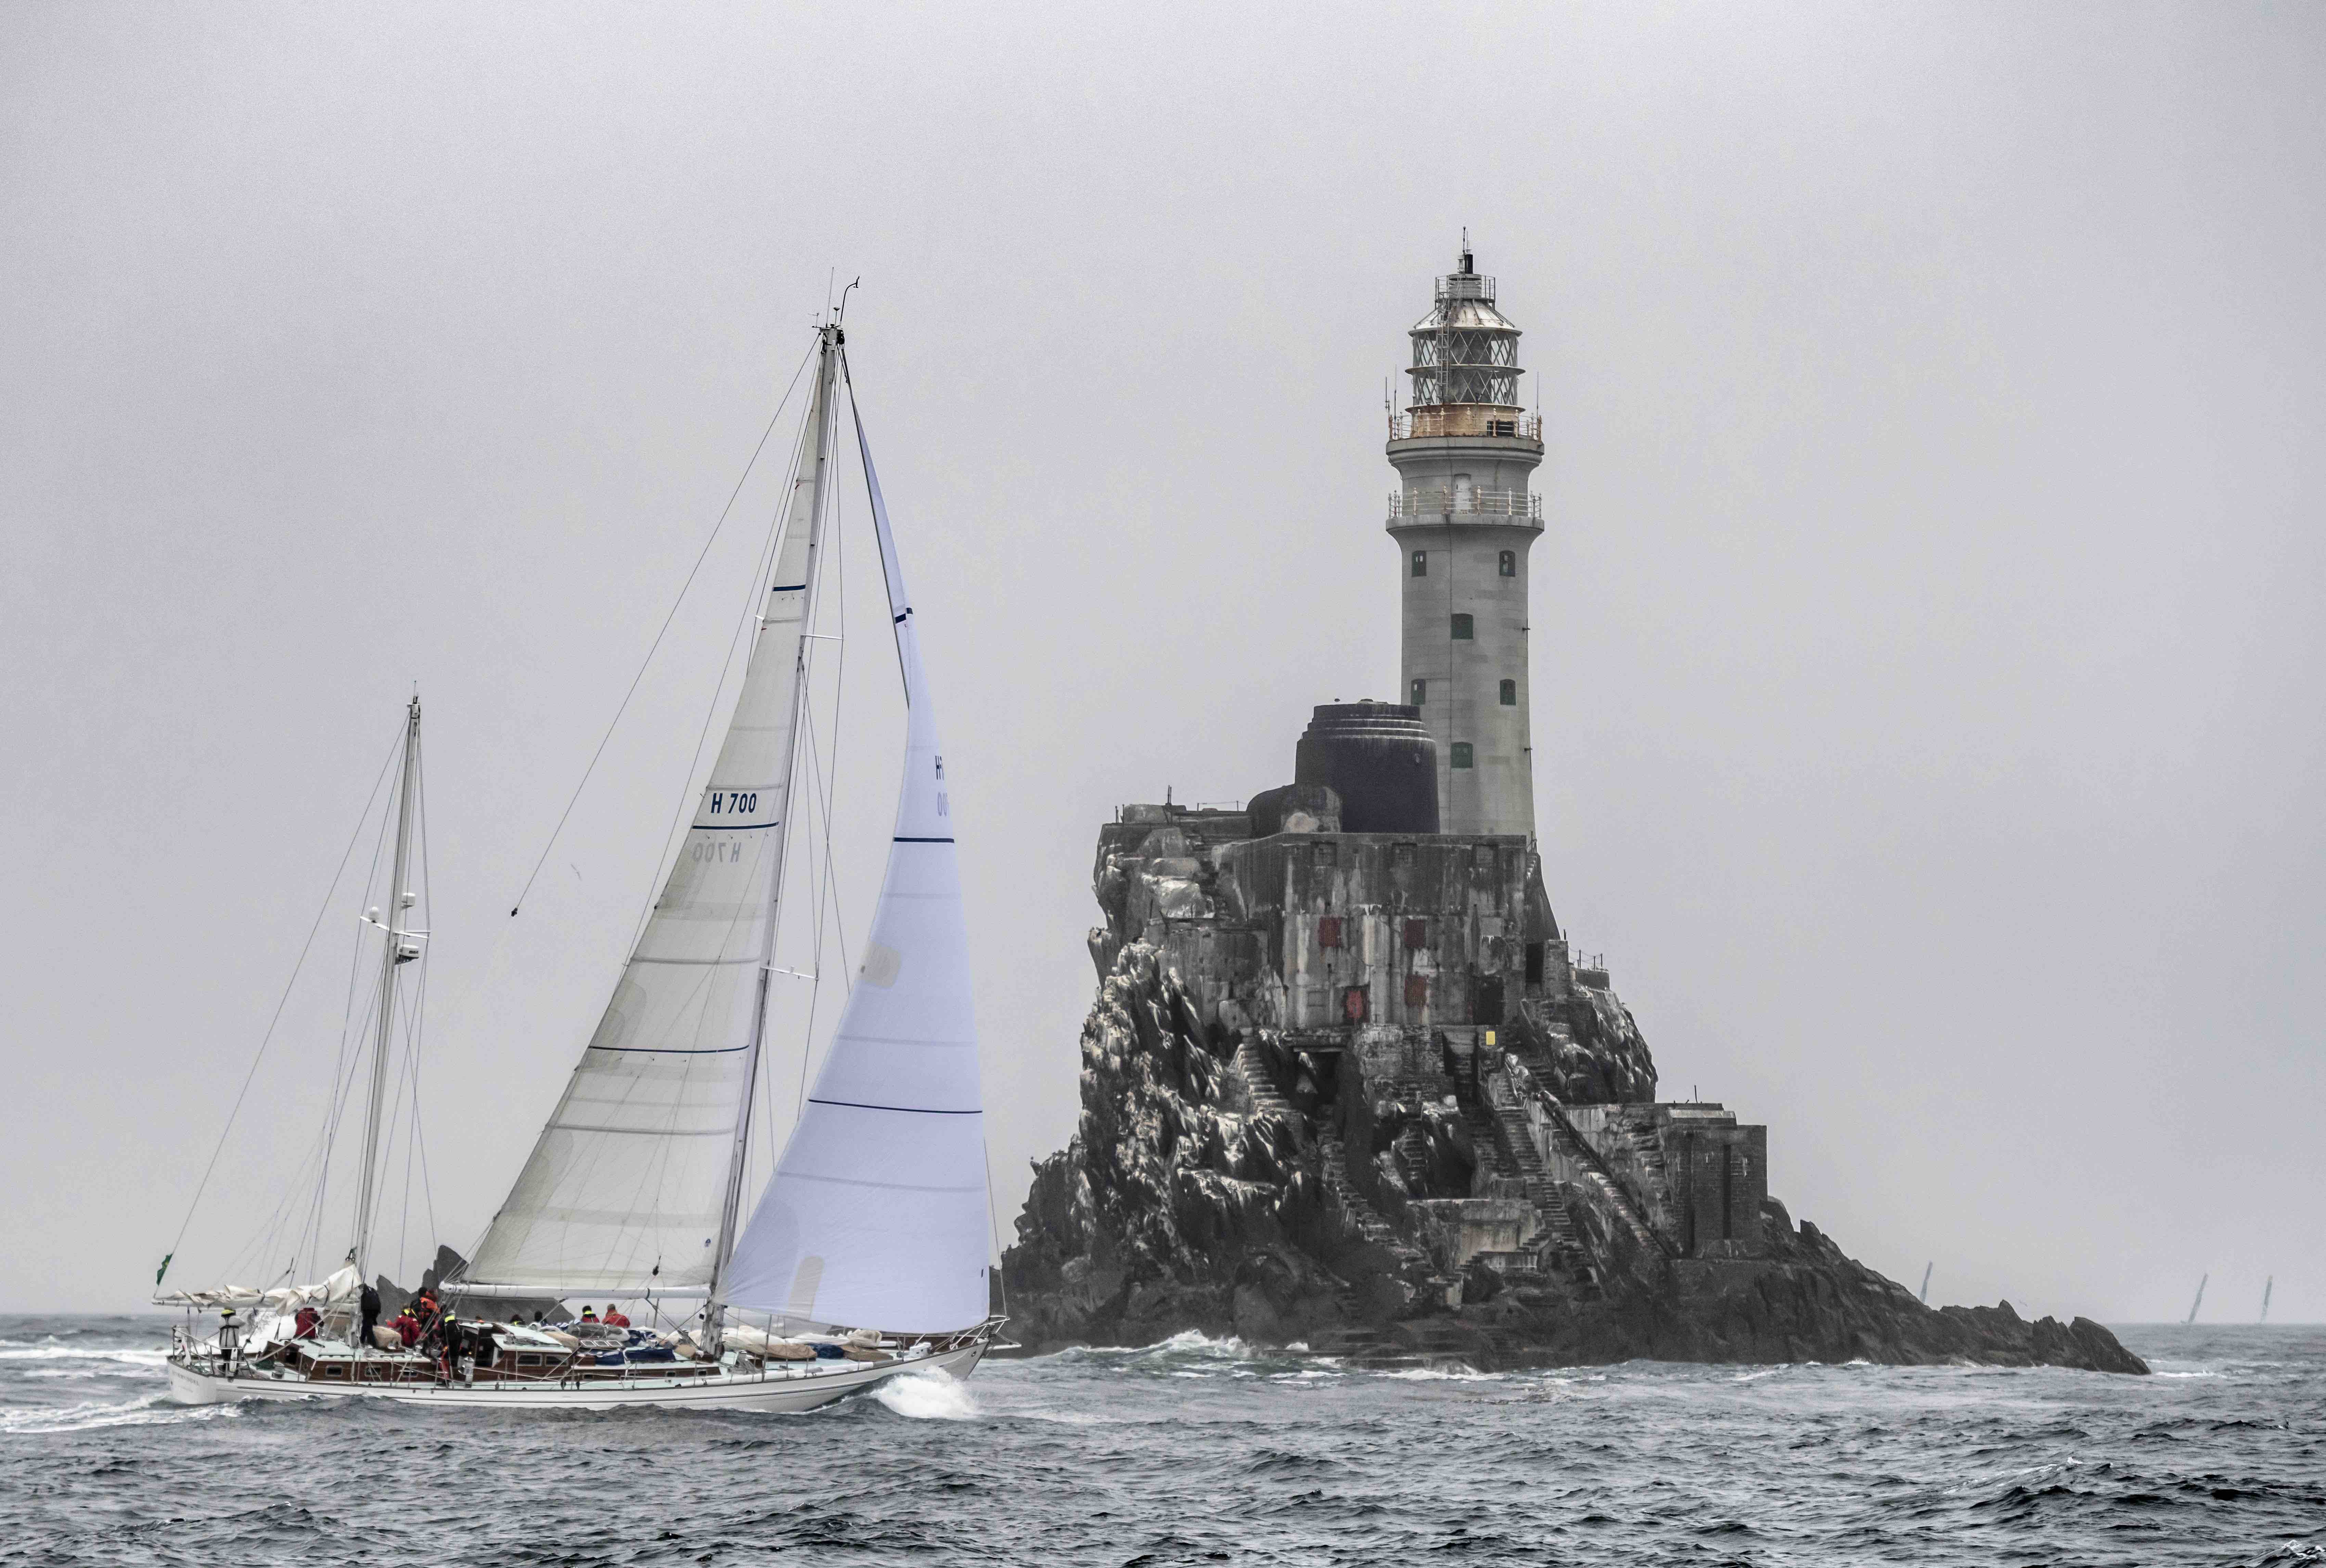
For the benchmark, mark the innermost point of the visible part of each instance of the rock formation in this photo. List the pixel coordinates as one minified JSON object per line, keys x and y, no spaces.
{"x":1351,"y":1091}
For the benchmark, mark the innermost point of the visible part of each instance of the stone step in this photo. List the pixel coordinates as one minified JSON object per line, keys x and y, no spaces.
{"x":1258,"y":1088}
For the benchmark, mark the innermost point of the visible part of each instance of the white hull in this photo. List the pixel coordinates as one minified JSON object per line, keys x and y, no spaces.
{"x":779,"y":1391}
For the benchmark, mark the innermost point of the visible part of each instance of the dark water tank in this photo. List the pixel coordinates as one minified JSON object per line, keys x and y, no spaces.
{"x":1380,"y":759}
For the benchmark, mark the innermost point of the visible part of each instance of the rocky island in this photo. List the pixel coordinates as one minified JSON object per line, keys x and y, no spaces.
{"x":1346,"y":1085}
{"x":1281,"y":1139}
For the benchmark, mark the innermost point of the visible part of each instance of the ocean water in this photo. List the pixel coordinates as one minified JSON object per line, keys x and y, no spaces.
{"x":1199,"y":1452}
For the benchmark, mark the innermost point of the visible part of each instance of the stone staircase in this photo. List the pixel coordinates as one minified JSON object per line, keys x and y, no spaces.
{"x":1599,"y":1179}
{"x":1258,"y":1088}
{"x":1564,"y":1246}
{"x":1361,"y":1215}
{"x":1594,"y":1170}
{"x":1412,"y":1151}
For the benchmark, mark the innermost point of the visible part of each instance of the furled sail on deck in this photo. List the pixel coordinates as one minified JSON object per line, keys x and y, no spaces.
{"x":876,"y":1216}
{"x":625,"y":1188}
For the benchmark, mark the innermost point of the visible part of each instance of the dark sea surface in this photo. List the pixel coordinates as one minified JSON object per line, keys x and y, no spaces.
{"x":1200,"y":1452}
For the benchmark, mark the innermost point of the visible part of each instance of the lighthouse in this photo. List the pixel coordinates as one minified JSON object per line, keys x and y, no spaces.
{"x":1463,"y":520}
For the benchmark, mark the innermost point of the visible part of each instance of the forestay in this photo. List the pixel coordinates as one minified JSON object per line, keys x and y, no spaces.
{"x":624,"y":1190}
{"x":876,"y":1216}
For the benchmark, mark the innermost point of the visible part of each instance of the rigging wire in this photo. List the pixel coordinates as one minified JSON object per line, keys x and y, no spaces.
{"x":352,"y":1057}
{"x":992,"y":1211}
{"x":761,"y":574}
{"x":701,"y":556}
{"x":420,"y":1002}
{"x":265,"y":1040}
{"x":820,"y":793}
{"x":408,"y":1072}
{"x":310,"y":1234}
{"x":664,"y":864}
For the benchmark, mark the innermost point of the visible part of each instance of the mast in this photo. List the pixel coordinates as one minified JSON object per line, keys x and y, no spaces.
{"x":399,"y":901}
{"x":2200,"y":1298}
{"x":807,"y":511}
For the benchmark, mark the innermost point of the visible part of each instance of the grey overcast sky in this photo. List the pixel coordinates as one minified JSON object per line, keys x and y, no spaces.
{"x":1928,"y":637}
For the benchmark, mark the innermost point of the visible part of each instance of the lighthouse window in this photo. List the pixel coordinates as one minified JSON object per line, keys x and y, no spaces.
{"x":1420,"y":692}
{"x":1510,"y":694}
{"x":1461,"y":633}
{"x":1461,"y":754}
{"x":1421,"y":563}
{"x":1508,"y":563}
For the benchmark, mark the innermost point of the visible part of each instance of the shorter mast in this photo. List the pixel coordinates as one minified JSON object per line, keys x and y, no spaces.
{"x":398,"y":902}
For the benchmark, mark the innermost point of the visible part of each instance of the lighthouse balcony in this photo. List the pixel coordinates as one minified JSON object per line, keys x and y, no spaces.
{"x":1520,"y":505}
{"x":1464,"y":419}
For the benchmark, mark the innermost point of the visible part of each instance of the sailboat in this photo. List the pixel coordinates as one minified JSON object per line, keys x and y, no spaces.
{"x":865,"y":1255}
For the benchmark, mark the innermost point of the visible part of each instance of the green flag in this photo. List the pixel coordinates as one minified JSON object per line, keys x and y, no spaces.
{"x":163,"y":1269}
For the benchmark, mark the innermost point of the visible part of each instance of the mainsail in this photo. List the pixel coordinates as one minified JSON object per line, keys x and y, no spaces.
{"x":627,"y":1187}
{"x":876,"y":1216}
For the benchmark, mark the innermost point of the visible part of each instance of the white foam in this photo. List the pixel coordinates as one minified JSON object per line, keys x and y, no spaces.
{"x":56,"y":1352}
{"x":1457,"y":1373}
{"x":1196,"y":1342}
{"x":933,"y":1395}
{"x":150,"y":1411}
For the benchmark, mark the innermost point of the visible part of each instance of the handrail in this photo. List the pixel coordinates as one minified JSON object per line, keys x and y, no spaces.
{"x":1490,"y":503}
{"x":1464,"y":419}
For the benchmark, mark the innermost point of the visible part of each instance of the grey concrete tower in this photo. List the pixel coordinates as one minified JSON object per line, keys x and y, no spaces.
{"x":1464,"y":521}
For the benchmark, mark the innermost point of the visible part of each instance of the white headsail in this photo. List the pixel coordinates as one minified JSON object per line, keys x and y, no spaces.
{"x":876,"y":1216}
{"x":626,"y":1188}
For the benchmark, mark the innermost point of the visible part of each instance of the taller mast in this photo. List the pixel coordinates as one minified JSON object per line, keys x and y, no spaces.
{"x":800,"y":553}
{"x":398,"y":952}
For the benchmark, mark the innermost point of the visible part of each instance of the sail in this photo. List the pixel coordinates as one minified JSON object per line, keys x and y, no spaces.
{"x":876,"y":1216}
{"x":625,"y":1188}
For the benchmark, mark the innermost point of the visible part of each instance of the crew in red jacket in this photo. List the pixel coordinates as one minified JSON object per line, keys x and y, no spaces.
{"x":614,"y":1318}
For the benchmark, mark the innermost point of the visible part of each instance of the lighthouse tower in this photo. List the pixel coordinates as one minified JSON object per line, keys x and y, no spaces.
{"x":1464,"y":521}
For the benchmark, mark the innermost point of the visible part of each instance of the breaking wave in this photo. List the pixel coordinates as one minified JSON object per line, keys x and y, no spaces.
{"x":936,"y":1395}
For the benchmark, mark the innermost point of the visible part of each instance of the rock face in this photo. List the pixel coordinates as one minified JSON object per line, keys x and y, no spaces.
{"x":1287,"y":1136}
